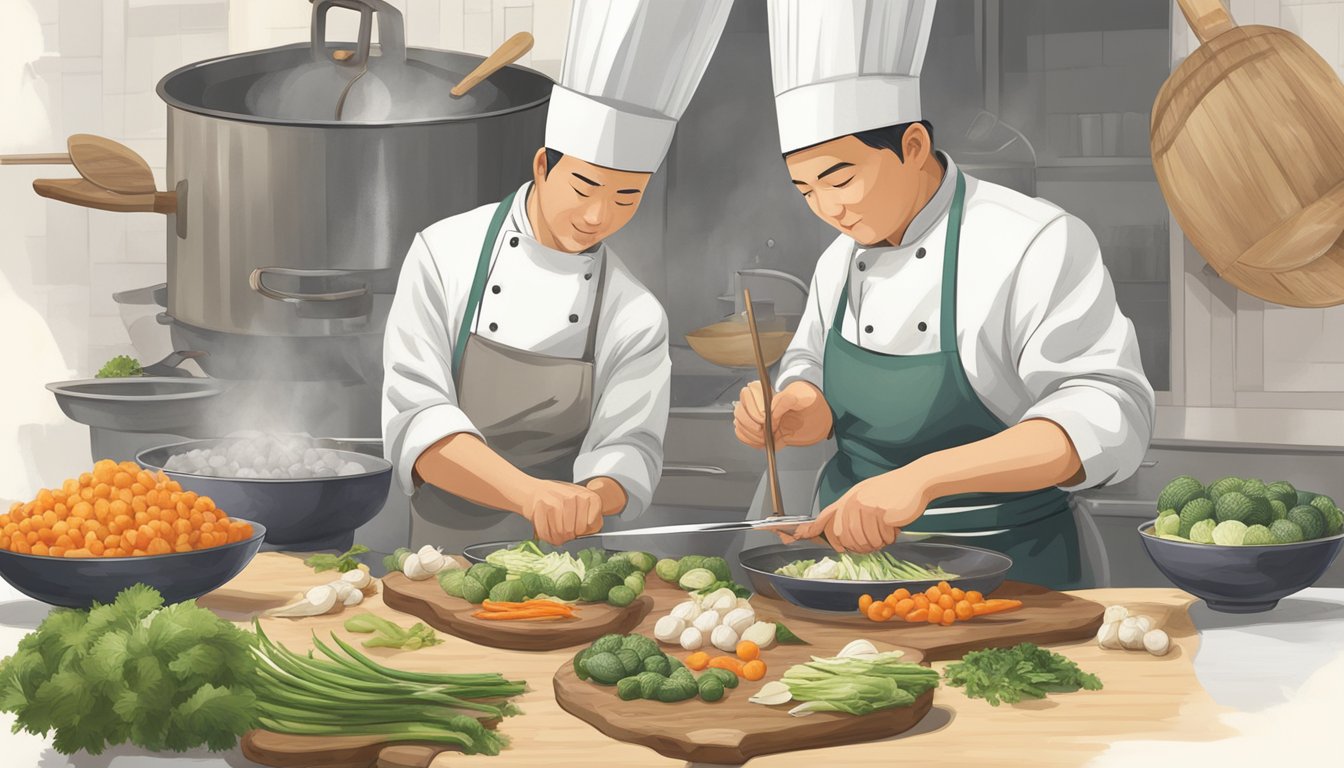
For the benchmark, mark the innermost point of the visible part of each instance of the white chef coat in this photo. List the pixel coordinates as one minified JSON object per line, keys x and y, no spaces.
{"x":1038,"y":329}
{"x":537,"y":300}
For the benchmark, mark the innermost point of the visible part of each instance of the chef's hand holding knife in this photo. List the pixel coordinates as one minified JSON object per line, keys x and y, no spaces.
{"x":562,"y":511}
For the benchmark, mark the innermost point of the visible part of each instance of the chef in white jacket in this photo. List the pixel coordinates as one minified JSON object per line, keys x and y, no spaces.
{"x":961,"y":341}
{"x":526,"y":370}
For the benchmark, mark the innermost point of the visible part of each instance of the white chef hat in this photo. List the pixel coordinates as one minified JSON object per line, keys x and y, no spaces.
{"x":630,"y":69}
{"x":844,"y":66}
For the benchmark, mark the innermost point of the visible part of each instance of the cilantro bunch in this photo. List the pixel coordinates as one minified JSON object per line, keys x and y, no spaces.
{"x":120,"y":367}
{"x":1013,"y":674}
{"x":162,"y":678}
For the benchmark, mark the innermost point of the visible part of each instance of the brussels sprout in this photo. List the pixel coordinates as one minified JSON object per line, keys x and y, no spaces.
{"x":689,"y":563}
{"x":666,"y":570}
{"x":453,"y":581}
{"x":621,"y":596}
{"x":596,"y":585}
{"x":726,"y":677}
{"x":532,"y":583}
{"x":649,"y":683}
{"x":474,"y":591}
{"x":630,"y":661}
{"x":628,"y":688}
{"x":635,"y":582}
{"x":509,"y":592}
{"x":641,"y":560}
{"x":719,"y":567}
{"x":604,"y":667}
{"x":608,"y":643}
{"x":657,"y":664}
{"x":711,"y":688}
{"x":696,"y":578}
{"x":488,"y":575}
{"x":567,"y":586}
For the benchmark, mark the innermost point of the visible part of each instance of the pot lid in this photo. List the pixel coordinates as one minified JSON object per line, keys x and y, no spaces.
{"x":324,"y":82}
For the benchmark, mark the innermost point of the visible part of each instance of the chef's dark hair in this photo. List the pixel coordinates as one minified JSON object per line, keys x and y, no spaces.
{"x":552,"y":159}
{"x":888,"y":137}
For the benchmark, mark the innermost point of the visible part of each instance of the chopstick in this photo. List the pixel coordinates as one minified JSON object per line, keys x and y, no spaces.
{"x":768,"y":396}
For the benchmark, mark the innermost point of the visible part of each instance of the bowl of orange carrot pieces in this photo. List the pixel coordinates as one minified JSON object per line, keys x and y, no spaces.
{"x":940,"y":604}
{"x":527,"y":610}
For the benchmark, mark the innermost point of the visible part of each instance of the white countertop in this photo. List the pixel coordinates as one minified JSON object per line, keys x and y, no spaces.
{"x":1249,"y":428}
{"x":1265,"y":664}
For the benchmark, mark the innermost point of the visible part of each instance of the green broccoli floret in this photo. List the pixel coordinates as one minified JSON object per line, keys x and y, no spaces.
{"x":120,"y":367}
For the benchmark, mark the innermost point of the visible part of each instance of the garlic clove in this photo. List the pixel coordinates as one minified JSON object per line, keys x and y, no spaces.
{"x":1156,"y":642}
{"x":1146,"y":622}
{"x":706,"y":622}
{"x":669,"y":629}
{"x":724,"y":638}
{"x":355,"y":597}
{"x":687,"y":611}
{"x":1115,"y":613}
{"x":429,"y":550}
{"x":691,"y":639}
{"x":740,"y":619}
{"x":762,"y":633}
{"x":858,"y":648}
{"x":414,"y":569}
{"x":1131,"y":635}
{"x":1108,"y":636}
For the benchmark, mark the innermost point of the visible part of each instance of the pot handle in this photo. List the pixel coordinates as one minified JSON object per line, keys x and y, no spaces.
{"x":89,"y":195}
{"x":355,"y":302}
{"x":391,"y":31}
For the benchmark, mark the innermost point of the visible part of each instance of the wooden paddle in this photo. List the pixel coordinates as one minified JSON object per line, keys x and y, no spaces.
{"x":106,"y":163}
{"x":767,"y":397}
{"x":508,"y":52}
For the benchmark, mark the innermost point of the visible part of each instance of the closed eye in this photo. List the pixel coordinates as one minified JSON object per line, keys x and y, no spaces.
{"x":625,"y":205}
{"x":576,"y":191}
{"x":840,"y":184}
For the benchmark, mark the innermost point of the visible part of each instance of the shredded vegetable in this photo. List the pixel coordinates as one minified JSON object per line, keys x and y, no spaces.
{"x":876,"y":566}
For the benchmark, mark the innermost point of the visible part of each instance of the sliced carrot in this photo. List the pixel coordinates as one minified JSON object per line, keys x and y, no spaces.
{"x":935,"y":613}
{"x":949,"y":618}
{"x":753,"y":670}
{"x":918,"y":615}
{"x":946,"y":602}
{"x":874,"y":611}
{"x":921,"y":600}
{"x":520,"y":615}
{"x":933,"y":593}
{"x":748,"y":651}
{"x":964,"y":610}
{"x":904,"y":607}
{"x":864,"y":602}
{"x":974,"y":597}
{"x":995,"y":606}
{"x":901,"y":594}
{"x":697,"y":661}
{"x":727,"y":662}
{"x":944,"y":587}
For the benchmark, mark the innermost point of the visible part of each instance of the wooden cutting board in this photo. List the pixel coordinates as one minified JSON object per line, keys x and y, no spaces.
{"x":427,"y":601}
{"x":284,"y":751}
{"x":733,"y":730}
{"x":1045,"y":617}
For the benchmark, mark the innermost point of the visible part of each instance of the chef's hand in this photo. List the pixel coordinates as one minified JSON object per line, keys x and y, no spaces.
{"x":562,"y":511}
{"x":871,"y":514}
{"x":612,"y":494}
{"x":800,"y":414}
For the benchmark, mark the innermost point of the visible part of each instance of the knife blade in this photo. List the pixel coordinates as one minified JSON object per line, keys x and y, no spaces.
{"x":768,"y":524}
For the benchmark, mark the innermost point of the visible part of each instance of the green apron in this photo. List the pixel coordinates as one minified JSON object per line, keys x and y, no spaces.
{"x":889,"y":410}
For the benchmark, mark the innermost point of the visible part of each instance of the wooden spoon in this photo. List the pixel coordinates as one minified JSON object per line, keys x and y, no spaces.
{"x":508,"y":52}
{"x":106,"y":163}
{"x":767,"y":397}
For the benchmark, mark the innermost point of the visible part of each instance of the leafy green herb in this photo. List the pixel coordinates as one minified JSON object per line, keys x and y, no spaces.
{"x":855,"y":685}
{"x":343,"y":562}
{"x":119,"y":367}
{"x":1013,"y":674}
{"x":784,"y":637}
{"x":389,"y":635}
{"x":349,"y":693}
{"x":738,"y":589}
{"x":162,"y":678}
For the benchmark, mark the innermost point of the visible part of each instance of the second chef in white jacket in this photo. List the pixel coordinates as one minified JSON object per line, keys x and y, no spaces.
{"x":962,"y":341}
{"x":526,"y":370}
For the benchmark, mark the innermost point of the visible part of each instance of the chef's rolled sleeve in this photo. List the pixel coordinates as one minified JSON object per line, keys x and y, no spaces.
{"x":633,"y":381}
{"x":419,"y":404}
{"x":802,"y":361}
{"x":1077,"y":354}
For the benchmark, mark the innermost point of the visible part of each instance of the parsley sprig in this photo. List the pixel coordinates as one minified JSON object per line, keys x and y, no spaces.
{"x":1013,"y":674}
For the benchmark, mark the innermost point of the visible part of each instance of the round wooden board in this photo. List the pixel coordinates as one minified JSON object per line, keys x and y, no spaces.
{"x":427,"y":601}
{"x":730,"y":731}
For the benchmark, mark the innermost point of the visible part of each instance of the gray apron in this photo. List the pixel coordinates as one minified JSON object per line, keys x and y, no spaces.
{"x":532,"y":409}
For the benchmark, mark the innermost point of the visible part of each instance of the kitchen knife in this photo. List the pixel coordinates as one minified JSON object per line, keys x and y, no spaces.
{"x":768,"y":524}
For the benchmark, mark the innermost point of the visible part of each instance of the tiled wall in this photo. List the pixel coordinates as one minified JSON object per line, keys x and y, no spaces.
{"x":1286,"y":350}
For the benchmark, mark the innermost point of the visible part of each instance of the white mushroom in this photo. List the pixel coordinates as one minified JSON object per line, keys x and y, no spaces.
{"x":724,"y":638}
{"x":739,"y":619}
{"x":687,"y":611}
{"x":1108,"y":636}
{"x":431,"y":559}
{"x":355,"y":597}
{"x":669,"y":629}
{"x":1156,"y":642}
{"x":743,"y":602}
{"x":1144,"y":621}
{"x":1115,"y":613}
{"x":1131,"y":634}
{"x":691,"y":639}
{"x":762,"y":633}
{"x":706,"y":622}
{"x":721,"y":600}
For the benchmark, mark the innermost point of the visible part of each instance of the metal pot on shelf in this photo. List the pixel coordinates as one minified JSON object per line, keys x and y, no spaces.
{"x":297,"y":178}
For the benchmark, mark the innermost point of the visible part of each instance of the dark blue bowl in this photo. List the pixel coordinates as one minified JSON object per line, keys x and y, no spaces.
{"x":1240,"y":579}
{"x":294,"y":512}
{"x":78,"y":582}
{"x":977,"y":569}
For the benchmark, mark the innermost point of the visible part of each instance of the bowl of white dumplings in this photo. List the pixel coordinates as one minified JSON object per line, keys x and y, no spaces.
{"x":302,"y":489}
